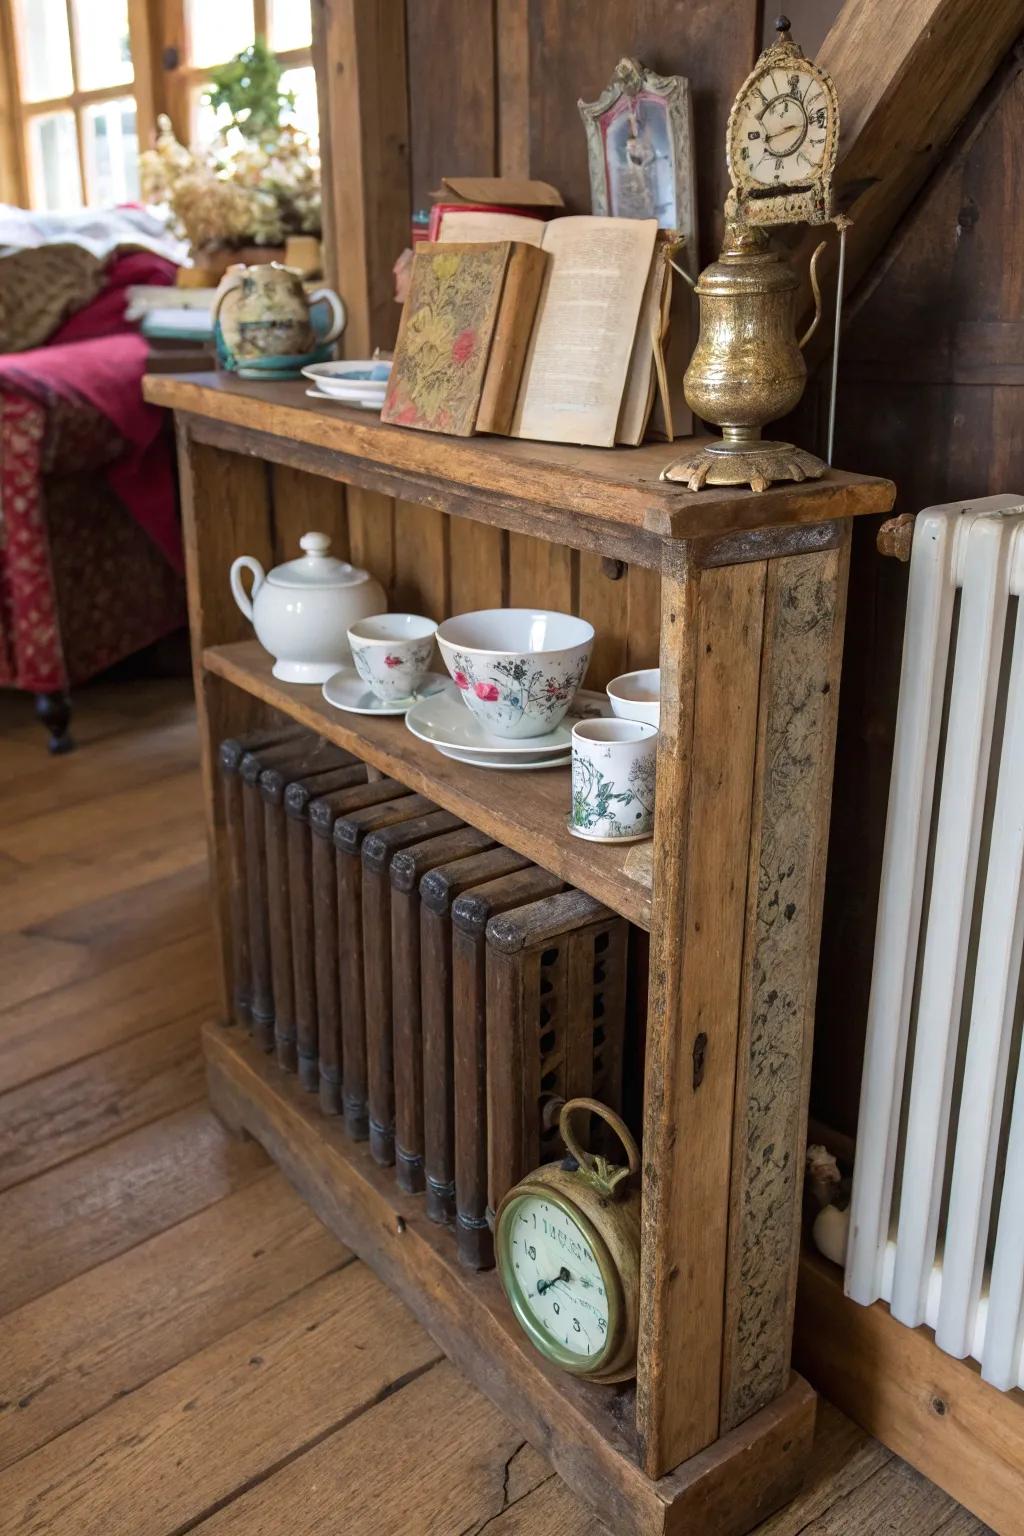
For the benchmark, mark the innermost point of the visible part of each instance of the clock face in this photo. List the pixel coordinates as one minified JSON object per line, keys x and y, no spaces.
{"x":555,"y":1280}
{"x":781,"y":129}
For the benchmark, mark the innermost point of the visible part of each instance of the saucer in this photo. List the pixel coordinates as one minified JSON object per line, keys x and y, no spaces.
{"x":592,"y":837}
{"x":444,"y":721}
{"x":346,"y":690}
{"x":371,"y":403}
{"x":507,"y":765}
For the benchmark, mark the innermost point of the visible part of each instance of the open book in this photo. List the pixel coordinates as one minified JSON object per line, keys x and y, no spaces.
{"x":566,"y":346}
{"x":594,"y":358}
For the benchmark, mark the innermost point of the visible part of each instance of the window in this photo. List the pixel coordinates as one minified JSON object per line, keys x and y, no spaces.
{"x":77,"y":106}
{"x":215,"y":32}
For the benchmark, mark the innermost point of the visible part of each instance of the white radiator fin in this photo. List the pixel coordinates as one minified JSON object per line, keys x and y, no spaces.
{"x":941,"y":1118}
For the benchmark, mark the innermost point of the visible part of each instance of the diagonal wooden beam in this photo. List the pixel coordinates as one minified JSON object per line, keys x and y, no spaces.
{"x":906,"y":73}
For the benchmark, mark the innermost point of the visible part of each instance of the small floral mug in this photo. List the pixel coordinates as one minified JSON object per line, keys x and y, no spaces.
{"x":393,"y":653}
{"x":613,"y":771}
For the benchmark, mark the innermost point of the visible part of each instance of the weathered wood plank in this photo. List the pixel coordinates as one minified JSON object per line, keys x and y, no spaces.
{"x":435,"y":1457}
{"x":104,"y":1202}
{"x":71,"y":1022}
{"x":58,"y":1117}
{"x":711,"y":656}
{"x":78,"y":1349}
{"x":181,"y":1445}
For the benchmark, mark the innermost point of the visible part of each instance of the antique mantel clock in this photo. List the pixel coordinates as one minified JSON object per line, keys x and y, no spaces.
{"x":747,"y":368}
{"x":567,"y":1246}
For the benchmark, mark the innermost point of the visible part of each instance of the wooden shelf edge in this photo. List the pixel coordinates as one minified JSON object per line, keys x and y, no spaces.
{"x":490,"y":801}
{"x":727,"y":1488}
{"x":933,"y":1410}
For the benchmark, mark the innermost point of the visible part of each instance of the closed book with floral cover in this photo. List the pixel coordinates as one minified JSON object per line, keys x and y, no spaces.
{"x":462,"y":342}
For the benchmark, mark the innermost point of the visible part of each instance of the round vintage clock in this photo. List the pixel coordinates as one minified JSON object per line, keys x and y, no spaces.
{"x":568,"y":1254}
{"x":782,"y":138}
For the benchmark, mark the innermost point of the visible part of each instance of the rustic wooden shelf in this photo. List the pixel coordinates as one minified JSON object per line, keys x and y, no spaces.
{"x":583,"y":1429}
{"x":741,"y":599}
{"x":609,"y":500}
{"x":526,"y":812}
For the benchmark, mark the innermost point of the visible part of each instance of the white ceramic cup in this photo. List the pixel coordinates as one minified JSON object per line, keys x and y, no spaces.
{"x":613,"y":772}
{"x":636,"y":695}
{"x":517,"y":669}
{"x":393,"y":652}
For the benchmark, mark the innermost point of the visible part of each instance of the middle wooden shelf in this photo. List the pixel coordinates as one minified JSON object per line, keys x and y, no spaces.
{"x":525,"y":812}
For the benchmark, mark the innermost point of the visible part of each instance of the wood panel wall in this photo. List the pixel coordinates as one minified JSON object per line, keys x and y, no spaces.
{"x":931,"y":394}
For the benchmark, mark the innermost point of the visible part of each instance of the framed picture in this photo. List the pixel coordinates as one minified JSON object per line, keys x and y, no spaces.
{"x":640,"y":149}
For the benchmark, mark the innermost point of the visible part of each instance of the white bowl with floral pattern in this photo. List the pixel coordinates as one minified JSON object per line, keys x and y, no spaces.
{"x":517,"y":669}
{"x":393,"y":652}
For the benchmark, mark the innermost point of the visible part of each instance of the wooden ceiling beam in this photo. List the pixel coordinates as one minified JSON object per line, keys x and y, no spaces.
{"x":907,"y":73}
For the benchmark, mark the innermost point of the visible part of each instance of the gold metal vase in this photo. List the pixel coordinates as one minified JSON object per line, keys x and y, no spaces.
{"x":747,"y":368}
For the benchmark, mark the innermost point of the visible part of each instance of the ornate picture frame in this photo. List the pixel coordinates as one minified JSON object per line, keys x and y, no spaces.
{"x":640,"y":147}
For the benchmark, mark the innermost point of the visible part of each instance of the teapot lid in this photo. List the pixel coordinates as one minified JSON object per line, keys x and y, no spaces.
{"x":316,"y":568}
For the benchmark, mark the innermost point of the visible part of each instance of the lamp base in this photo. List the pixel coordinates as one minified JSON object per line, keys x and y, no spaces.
{"x":754,"y":463}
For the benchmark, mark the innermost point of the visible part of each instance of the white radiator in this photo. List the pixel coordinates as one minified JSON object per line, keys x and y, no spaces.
{"x":937,"y":1214}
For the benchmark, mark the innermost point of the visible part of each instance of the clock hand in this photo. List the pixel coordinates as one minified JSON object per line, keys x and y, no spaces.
{"x":545,"y":1285}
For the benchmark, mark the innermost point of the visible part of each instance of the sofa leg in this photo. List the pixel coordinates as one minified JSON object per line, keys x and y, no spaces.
{"x":54,"y":711}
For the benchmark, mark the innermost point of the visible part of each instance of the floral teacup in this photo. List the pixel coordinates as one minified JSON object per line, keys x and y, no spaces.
{"x":613,"y":772}
{"x":393,"y":653}
{"x":518,"y":669}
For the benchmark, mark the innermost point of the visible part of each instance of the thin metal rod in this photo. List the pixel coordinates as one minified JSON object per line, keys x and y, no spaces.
{"x":844,"y":225}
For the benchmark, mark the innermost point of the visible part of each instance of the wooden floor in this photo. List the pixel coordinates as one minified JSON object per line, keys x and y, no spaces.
{"x":184,"y":1347}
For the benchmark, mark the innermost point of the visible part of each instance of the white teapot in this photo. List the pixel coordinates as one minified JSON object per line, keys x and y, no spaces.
{"x":302,"y":609}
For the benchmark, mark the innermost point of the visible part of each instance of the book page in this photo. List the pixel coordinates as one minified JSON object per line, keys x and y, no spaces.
{"x":474,"y":225}
{"x":640,"y":381}
{"x":576,"y":368}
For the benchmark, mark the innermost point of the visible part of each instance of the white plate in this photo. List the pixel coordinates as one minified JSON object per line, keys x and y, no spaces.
{"x":337,"y":376}
{"x":363,"y":405}
{"x":444,"y":721}
{"x":346,"y":690}
{"x":509,"y":765}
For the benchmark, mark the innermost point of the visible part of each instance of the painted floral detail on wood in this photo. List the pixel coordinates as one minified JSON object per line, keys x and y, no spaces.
{"x":518,"y":688}
{"x":445,"y":337}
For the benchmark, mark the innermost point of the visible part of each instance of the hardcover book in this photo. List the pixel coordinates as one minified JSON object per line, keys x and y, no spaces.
{"x":464,"y":334}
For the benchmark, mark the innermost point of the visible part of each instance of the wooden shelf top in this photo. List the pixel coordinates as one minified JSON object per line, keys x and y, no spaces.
{"x":609,"y":499}
{"x":526,"y":812}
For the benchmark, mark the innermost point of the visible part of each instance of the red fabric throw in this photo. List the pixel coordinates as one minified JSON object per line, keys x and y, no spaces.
{"x":104,"y":315}
{"x":107,"y":372}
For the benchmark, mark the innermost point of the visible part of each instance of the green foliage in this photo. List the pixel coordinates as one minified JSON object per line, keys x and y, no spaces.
{"x":249,"y":85}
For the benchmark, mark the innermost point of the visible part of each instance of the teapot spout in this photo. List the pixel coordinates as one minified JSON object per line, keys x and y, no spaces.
{"x":816,"y":290}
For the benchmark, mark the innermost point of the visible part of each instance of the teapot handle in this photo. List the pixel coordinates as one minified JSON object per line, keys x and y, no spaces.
{"x":338,"y":315}
{"x":238,"y":592}
{"x":816,"y":290}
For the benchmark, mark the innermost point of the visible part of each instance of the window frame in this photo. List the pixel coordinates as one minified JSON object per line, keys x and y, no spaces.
{"x":182,"y":77}
{"x":78,"y":100}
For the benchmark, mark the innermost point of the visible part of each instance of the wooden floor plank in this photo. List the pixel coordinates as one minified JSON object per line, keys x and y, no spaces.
{"x":31,"y":897}
{"x":62,"y":832}
{"x":52,"y":1031}
{"x":155,"y":1462}
{"x":87,"y":1211}
{"x":73,"y":1352}
{"x":96,"y":935}
{"x":434,"y":1458}
{"x":132,"y":757}
{"x":46,"y":1122}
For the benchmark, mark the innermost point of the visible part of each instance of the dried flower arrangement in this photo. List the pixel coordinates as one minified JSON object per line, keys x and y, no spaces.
{"x":257,"y":184}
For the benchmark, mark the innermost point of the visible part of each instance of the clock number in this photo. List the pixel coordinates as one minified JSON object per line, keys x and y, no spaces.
{"x":556,"y":1308}
{"x":576,"y":1325}
{"x":531,"y":1250}
{"x":602,"y":1324}
{"x":754,"y":134}
{"x":819,"y":117}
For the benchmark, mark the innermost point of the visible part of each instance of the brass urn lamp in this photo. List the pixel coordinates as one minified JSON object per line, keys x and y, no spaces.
{"x":747,"y":368}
